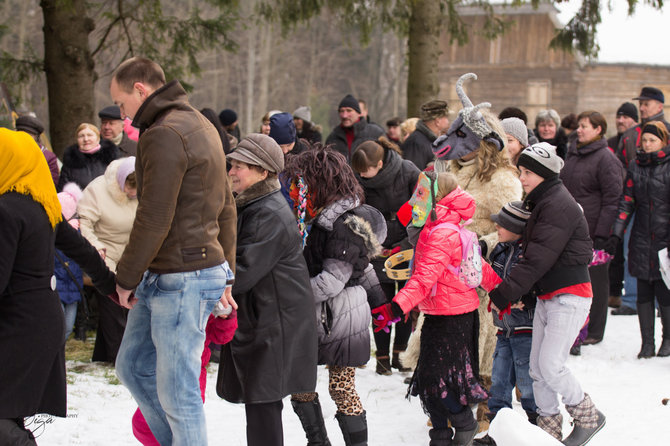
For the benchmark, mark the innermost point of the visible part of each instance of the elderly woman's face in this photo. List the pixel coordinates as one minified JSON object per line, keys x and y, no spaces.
{"x":243,"y":176}
{"x":547,"y":129}
{"x":87,"y":139}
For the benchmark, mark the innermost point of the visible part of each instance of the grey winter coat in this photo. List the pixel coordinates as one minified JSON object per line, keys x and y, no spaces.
{"x":341,"y":242}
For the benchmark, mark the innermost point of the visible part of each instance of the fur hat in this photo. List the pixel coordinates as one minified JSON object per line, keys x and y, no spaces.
{"x":257,"y":149}
{"x":304,"y":113}
{"x":69,"y":198}
{"x":351,"y":102}
{"x":541,"y":158}
{"x":111,"y":112}
{"x":282,"y":128}
{"x":628,"y":109}
{"x":30,"y":125}
{"x":516,"y":128}
{"x":512,"y":216}
{"x":433,"y":110}
{"x":227,"y":117}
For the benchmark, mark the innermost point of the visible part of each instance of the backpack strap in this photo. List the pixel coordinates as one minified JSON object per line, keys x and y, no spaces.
{"x":451,"y":268}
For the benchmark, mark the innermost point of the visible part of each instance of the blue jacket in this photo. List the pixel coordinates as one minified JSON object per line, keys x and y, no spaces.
{"x":67,"y":289}
{"x":503,"y":258}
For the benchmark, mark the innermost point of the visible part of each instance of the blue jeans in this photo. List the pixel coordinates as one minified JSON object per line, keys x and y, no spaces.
{"x":70,"y":311}
{"x":629,"y":298}
{"x":511,"y":361}
{"x":556,"y":323}
{"x":159,"y":357}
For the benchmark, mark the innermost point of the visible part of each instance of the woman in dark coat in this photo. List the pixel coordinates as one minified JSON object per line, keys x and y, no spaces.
{"x":273,"y":353}
{"x":388,"y":182}
{"x":343,"y":237}
{"x":647,"y":195}
{"x":31,"y":319}
{"x":88,"y":159}
{"x":594,"y":177}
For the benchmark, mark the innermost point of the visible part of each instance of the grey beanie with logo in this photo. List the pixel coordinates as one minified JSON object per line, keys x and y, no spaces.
{"x":541,"y":158}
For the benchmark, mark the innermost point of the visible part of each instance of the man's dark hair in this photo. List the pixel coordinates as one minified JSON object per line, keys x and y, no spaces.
{"x":513,"y":112}
{"x":139,"y":69}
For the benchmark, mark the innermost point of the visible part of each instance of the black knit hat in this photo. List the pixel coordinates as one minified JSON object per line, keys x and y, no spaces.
{"x":628,"y":109}
{"x":351,"y":102}
{"x":541,"y":158}
{"x":227,"y":117}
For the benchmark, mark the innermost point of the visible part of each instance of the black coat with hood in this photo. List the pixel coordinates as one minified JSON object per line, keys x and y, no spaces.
{"x":273,"y":353}
{"x":594,"y":177}
{"x":387,"y":191}
{"x":82,"y":168}
{"x":647,"y":195}
{"x":362,"y":132}
{"x":557,"y":247}
{"x":342,"y":240}
{"x":418,"y":147}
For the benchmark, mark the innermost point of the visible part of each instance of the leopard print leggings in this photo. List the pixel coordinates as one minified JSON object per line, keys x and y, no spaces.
{"x":342,"y":389}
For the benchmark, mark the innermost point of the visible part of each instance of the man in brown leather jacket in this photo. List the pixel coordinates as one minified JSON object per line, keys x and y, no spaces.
{"x":181,"y":252}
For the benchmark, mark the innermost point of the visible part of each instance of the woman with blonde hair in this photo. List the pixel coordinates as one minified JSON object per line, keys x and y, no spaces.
{"x":88,"y":158}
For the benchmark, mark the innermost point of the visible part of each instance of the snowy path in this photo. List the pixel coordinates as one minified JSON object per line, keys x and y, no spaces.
{"x":629,"y":391}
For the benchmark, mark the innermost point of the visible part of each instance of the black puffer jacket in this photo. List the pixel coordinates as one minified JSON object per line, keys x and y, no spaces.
{"x":273,"y":353}
{"x":557,"y":247}
{"x":362,"y":132}
{"x":387,"y":192}
{"x":594,"y":177}
{"x":418,"y":147}
{"x":82,"y":168}
{"x":647,"y":195}
{"x":341,"y":242}
{"x":629,"y":143}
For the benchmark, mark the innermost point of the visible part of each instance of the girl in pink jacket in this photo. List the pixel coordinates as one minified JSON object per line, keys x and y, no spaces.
{"x":446,"y":377}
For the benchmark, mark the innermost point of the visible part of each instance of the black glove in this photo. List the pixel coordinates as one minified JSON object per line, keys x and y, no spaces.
{"x":483,"y":247}
{"x":611,"y":244}
{"x":599,"y":243}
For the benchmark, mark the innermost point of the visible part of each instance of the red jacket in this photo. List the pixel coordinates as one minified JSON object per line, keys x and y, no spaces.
{"x":434,"y":251}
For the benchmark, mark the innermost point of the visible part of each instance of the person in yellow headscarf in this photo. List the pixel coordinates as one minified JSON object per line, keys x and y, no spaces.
{"x":31,"y":319}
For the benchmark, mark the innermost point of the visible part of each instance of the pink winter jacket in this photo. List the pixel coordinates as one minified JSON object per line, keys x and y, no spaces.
{"x":434,"y":251}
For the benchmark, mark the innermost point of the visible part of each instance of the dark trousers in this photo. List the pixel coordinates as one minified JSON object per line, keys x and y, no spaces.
{"x":12,"y":433}
{"x":264,"y":426}
{"x":111,"y":325}
{"x":616,"y":271}
{"x":598,"y":313}
{"x":647,"y":290}
{"x":442,"y":410}
{"x":402,"y":329}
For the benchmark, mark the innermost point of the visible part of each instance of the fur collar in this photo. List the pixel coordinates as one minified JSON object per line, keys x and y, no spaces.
{"x":75,"y":158}
{"x":257,"y":191}
{"x":113,"y":185}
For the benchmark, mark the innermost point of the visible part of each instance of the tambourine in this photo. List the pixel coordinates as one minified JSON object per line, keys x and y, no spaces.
{"x":395,"y":260}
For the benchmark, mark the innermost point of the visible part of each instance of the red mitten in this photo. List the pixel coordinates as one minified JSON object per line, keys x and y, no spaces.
{"x":383,"y":318}
{"x":404,"y":214}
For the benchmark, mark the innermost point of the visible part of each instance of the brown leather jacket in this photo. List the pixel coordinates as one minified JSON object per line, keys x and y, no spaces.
{"x":186,"y":219}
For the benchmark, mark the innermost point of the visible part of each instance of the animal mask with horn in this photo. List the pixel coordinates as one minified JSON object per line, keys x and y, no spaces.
{"x":468,"y":130}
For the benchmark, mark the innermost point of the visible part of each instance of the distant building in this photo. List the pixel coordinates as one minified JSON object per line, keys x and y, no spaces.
{"x":518,"y":69}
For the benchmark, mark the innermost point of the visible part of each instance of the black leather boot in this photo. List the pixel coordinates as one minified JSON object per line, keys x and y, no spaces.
{"x":665,"y":320}
{"x":440,"y":437}
{"x":645,"y":314}
{"x":311,"y":418}
{"x":466,"y":427}
{"x":354,"y":429}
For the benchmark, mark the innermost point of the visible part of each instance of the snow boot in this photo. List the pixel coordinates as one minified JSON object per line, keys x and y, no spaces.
{"x":553,"y":425}
{"x":665,"y":320}
{"x":383,"y":366}
{"x":396,"y":364}
{"x":440,"y":437}
{"x":645,"y":314}
{"x":354,"y":429}
{"x":466,"y":427}
{"x":311,"y":417}
{"x":486,"y":440}
{"x":14,"y":433}
{"x":587,"y":421}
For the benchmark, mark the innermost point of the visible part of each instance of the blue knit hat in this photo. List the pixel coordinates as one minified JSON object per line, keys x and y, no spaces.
{"x":282,"y":128}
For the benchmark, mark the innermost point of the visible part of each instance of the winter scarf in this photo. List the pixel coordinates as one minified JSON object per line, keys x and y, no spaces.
{"x":23,"y":169}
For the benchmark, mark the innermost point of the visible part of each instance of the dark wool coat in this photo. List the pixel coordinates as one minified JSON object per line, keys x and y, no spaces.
{"x":387,"y":191}
{"x":557,"y":247}
{"x":560,"y":141}
{"x":32,"y":355}
{"x":594,"y":177}
{"x":82,"y":168}
{"x":273,"y":353}
{"x":647,"y":195}
{"x":127,"y":146}
{"x":362,"y":132}
{"x":418,"y":147}
{"x":630,"y":140}
{"x":341,"y":241}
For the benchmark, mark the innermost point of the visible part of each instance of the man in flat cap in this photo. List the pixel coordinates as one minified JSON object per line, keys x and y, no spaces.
{"x":651,"y":109}
{"x":353,"y":128}
{"x":32,"y":126}
{"x":111,"y":128}
{"x":434,"y":122}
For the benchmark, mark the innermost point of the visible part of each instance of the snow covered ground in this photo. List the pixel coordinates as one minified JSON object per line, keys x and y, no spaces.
{"x":629,"y":391}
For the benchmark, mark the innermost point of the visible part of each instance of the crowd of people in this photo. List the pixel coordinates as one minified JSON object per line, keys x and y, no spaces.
{"x":271,"y":251}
